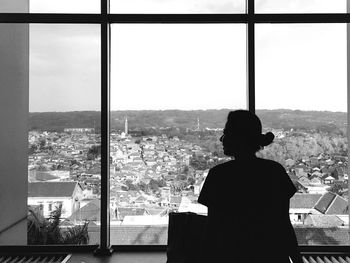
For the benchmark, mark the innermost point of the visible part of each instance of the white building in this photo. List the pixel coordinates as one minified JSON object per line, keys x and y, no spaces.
{"x":50,"y":195}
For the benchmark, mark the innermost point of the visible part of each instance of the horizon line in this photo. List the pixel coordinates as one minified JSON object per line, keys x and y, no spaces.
{"x":281,"y":109}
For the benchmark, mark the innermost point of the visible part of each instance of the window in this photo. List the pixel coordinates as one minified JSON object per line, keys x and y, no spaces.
{"x":301,"y":95}
{"x":126,"y":147}
{"x":64,"y":124}
{"x":169,"y":99}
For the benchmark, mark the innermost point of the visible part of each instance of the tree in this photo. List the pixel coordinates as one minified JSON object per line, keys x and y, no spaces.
{"x":143,"y":187}
{"x":73,"y":162}
{"x":198,"y":163}
{"x":42,"y":231}
{"x":181,"y":177}
{"x":191,"y":180}
{"x":162,"y":183}
{"x":32,"y":149}
{"x":185,"y":169}
{"x":336,"y":188}
{"x":42,"y":143}
{"x":131,"y":186}
{"x":153,"y":185}
{"x":93,"y":152}
{"x":42,"y":168}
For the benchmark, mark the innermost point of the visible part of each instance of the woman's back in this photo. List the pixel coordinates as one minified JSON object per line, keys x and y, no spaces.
{"x":248,"y":204}
{"x":248,"y":200}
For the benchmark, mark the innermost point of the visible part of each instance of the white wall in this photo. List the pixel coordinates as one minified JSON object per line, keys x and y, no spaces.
{"x":14,"y":86}
{"x":67,"y":204}
{"x":14,"y":6}
{"x":348,"y":89}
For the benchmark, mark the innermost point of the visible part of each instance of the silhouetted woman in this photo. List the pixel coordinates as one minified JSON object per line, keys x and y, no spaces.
{"x":248,"y":200}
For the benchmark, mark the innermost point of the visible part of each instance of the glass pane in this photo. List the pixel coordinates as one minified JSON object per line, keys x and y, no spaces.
{"x":301,"y":96}
{"x":64,"y":169}
{"x":300,"y":6}
{"x":172,"y":87}
{"x":177,"y":6}
{"x":51,"y":6}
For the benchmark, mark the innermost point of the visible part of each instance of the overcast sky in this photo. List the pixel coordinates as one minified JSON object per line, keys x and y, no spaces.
{"x":162,"y":66}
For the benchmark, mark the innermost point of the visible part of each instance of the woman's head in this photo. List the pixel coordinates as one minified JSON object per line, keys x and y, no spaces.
{"x":242,"y":134}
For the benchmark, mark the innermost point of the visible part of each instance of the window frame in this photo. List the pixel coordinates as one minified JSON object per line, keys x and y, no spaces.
{"x":105,"y":19}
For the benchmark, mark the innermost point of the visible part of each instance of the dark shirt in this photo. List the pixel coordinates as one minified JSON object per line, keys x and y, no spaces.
{"x":248,"y":212}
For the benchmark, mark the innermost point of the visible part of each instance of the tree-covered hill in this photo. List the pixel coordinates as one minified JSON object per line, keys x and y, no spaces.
{"x":324,"y":121}
{"x":305,"y":120}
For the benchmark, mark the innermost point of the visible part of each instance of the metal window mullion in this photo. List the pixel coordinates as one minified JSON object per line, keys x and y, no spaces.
{"x":105,"y":247}
{"x":105,"y":7}
{"x":43,"y":18}
{"x":171,"y":18}
{"x":251,"y":56}
{"x":104,"y":241}
{"x":302,"y":18}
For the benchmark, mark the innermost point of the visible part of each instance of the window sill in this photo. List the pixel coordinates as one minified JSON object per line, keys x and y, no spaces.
{"x":123,"y":257}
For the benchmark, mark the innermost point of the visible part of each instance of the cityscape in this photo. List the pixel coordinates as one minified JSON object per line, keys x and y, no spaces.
{"x":159,"y":172}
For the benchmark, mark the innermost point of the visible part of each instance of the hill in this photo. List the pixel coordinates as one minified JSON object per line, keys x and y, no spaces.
{"x":286,"y":119}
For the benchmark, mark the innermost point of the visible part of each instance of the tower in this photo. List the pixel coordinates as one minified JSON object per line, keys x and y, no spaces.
{"x":126,"y":126}
{"x":198,"y":124}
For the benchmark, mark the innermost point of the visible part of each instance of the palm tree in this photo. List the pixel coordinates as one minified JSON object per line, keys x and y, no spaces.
{"x":42,"y":231}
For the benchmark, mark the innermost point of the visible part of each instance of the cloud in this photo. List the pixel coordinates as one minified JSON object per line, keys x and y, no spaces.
{"x":300,"y":6}
{"x":177,"y":6}
{"x":301,"y":66}
{"x":178,"y":66}
{"x":64,"y":6}
{"x":64,"y":67}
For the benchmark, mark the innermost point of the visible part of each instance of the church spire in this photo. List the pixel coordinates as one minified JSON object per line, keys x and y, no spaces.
{"x":126,"y":126}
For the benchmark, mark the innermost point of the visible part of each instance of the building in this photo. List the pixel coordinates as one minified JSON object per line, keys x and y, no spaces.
{"x":50,"y":195}
{"x":79,"y":130}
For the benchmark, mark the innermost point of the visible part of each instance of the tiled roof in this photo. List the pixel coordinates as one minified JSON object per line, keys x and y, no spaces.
{"x":51,"y":189}
{"x":132,"y":235}
{"x":44,"y":176}
{"x":156,"y":211}
{"x":121,"y":212}
{"x":322,"y":236}
{"x":139,"y":235}
{"x":339,"y":206}
{"x":93,"y":170}
{"x":304,"y":200}
{"x":158,"y":235}
{"x":175,"y":199}
{"x":323,"y":220}
{"x":324,"y":202}
{"x":293,"y":177}
{"x":90,"y":211}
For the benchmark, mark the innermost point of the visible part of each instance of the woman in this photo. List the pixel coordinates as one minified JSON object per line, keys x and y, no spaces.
{"x":248,"y":200}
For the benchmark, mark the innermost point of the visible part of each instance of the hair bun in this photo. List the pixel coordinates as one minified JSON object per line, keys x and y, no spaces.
{"x":267,"y":138}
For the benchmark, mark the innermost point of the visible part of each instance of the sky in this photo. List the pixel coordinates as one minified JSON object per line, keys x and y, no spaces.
{"x":187,"y":67}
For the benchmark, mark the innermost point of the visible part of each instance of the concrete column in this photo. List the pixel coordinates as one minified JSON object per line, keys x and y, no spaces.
{"x":14,"y":99}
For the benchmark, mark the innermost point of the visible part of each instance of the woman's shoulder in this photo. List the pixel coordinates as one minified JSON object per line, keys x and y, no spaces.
{"x":270,"y":163}
{"x":257,"y":163}
{"x":222,"y":166}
